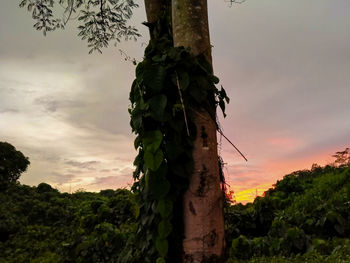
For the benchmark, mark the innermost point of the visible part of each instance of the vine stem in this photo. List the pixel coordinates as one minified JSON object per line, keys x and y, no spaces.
{"x":182,"y":103}
{"x":233,"y":145}
{"x":222,"y":134}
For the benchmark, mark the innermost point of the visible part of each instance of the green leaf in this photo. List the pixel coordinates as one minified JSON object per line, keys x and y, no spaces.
{"x":202,"y":82}
{"x":222,"y":106}
{"x":143,"y":106}
{"x":153,"y":160}
{"x":162,"y":246}
{"x":214,"y":79}
{"x":198,"y":91}
{"x":223,"y":95}
{"x":154,"y":76}
{"x":159,"y":58}
{"x":173,"y":150}
{"x":134,"y":92}
{"x":204,"y":64}
{"x":137,"y":142}
{"x":165,"y":208}
{"x":184,"y":79}
{"x":157,"y":105}
{"x":164,"y":228}
{"x":158,"y":185}
{"x":152,"y":140}
{"x":136,"y":122}
{"x":160,"y":260}
{"x":139,"y":70}
{"x":147,"y":178}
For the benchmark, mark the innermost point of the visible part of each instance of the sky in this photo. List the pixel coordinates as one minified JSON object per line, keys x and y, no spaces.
{"x":284,"y":64}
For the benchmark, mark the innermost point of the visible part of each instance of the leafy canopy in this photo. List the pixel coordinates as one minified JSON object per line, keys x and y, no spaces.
{"x":12,"y":163}
{"x":100,"y":21}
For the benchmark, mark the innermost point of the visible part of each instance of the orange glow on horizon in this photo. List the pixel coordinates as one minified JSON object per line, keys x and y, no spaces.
{"x":247,"y":192}
{"x":248,"y":195}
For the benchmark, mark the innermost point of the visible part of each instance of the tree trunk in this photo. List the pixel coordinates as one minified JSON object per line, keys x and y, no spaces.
{"x":203,"y":202}
{"x":154,"y":9}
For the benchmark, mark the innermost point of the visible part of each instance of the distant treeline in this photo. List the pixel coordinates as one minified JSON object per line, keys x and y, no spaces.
{"x":304,"y":218}
{"x":306,"y":212}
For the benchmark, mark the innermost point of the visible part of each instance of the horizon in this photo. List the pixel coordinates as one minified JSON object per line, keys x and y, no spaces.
{"x":244,"y":196}
{"x":285,"y":67}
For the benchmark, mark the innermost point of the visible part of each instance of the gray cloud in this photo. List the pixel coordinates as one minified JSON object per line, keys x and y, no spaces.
{"x":284,"y":64}
{"x":63,"y":178}
{"x":86,"y":165}
{"x":9,"y":110}
{"x":51,"y":104}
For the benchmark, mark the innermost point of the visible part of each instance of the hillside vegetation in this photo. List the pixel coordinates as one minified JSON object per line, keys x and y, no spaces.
{"x":304,"y":218}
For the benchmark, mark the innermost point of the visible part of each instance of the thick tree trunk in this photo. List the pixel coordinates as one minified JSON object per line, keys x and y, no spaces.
{"x":154,"y":9}
{"x":203,"y":201}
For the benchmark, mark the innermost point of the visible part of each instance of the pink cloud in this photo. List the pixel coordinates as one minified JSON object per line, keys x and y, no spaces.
{"x":286,"y":143}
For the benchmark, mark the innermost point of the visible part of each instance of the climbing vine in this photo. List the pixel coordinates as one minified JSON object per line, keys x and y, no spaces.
{"x":170,"y":82}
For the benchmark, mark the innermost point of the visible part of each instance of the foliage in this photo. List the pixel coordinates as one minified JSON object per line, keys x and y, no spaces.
{"x":307,"y":211}
{"x":100,"y":21}
{"x":305,"y":218}
{"x":168,"y":81}
{"x":342,"y":158}
{"x":12,"y":164}
{"x":40,"y":224}
{"x":339,"y":253}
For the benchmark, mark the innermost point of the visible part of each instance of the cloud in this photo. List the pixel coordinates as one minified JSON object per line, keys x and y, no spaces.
{"x":9,"y":111}
{"x":286,"y":72}
{"x":51,"y":104}
{"x":113,"y":181}
{"x":63,"y":178}
{"x":86,"y":165}
{"x":108,"y":180}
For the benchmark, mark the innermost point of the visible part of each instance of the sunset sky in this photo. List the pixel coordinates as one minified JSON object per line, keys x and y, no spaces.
{"x":285,"y":66}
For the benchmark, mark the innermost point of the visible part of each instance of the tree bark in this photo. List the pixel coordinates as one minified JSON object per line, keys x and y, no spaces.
{"x":154,"y":9}
{"x":203,"y":202}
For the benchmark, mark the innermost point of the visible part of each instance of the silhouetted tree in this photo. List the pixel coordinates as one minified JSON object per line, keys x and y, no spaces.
{"x":12,"y":164}
{"x":342,"y":158}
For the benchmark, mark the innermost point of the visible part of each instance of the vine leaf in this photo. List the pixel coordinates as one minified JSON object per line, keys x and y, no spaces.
{"x":152,"y":140}
{"x":164,"y":228}
{"x":136,"y":121}
{"x":154,"y":76}
{"x":162,"y":246}
{"x":137,"y":142}
{"x":158,"y":185}
{"x":157,"y":105}
{"x":167,"y":80}
{"x":222,"y":106}
{"x":139,"y":70}
{"x":165,"y":208}
{"x":153,"y":160}
{"x":184,"y":79}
